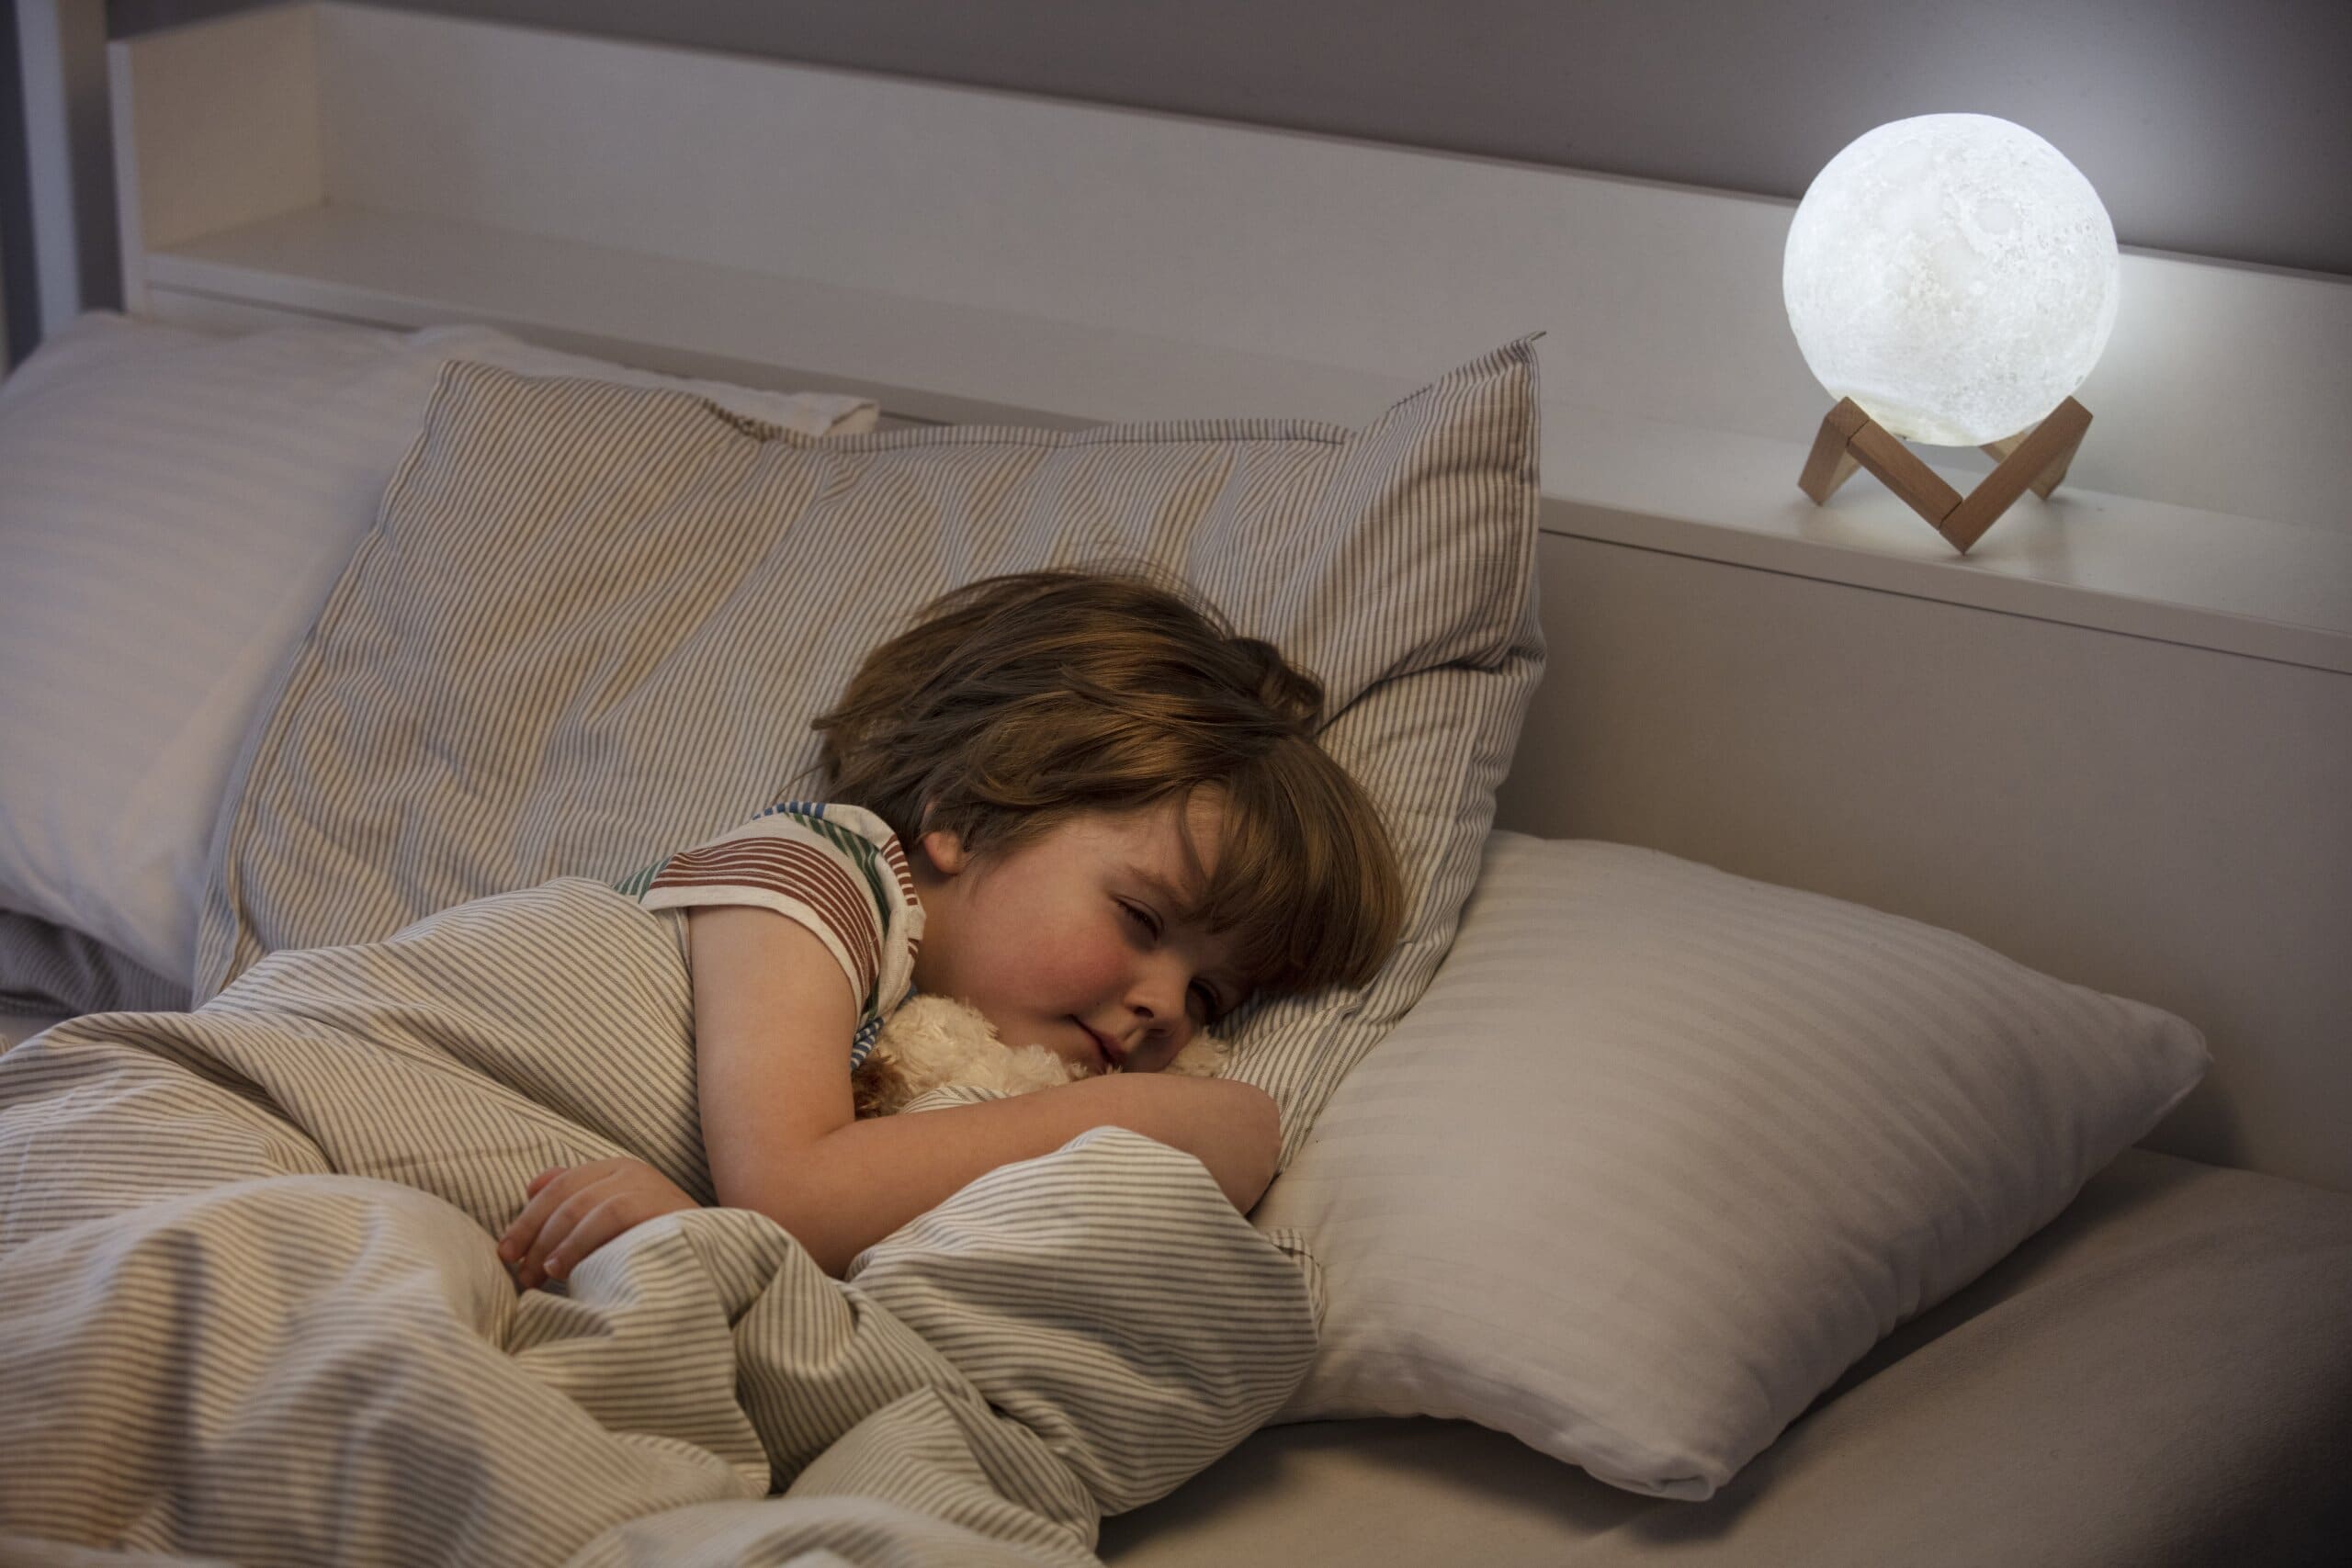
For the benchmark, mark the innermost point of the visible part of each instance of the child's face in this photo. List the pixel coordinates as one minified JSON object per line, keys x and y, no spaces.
{"x":1071,"y":940}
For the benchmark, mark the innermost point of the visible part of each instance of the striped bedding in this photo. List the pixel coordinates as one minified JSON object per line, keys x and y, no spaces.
{"x":251,"y":1308}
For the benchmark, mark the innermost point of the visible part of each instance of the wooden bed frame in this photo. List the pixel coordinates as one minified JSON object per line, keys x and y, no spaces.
{"x":2114,"y":742}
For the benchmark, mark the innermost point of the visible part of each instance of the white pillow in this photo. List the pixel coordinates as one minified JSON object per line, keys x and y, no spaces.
{"x":1662,"y":1151}
{"x":173,"y":507}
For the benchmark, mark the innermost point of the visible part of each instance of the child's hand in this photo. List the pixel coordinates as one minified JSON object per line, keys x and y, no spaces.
{"x":576,"y":1209}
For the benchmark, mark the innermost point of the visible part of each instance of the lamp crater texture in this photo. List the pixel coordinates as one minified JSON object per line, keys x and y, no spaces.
{"x":1954,"y":275}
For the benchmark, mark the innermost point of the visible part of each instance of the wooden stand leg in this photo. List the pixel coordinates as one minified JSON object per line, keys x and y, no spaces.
{"x":1901,"y":470}
{"x":2049,"y":479}
{"x":2036,"y":461}
{"x":1831,"y":464}
{"x":2045,"y":452}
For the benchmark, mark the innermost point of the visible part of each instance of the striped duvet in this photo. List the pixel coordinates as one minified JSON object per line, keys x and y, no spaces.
{"x":251,"y":1308}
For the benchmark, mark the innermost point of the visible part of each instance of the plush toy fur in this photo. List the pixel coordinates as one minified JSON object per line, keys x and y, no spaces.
{"x":931,"y":1043}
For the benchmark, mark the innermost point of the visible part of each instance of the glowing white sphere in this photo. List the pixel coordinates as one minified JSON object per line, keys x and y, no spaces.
{"x":1954,"y":275}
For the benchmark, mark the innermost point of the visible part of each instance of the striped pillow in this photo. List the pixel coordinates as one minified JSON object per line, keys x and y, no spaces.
{"x":174,"y":506}
{"x":1663,"y":1151}
{"x":594,"y":621}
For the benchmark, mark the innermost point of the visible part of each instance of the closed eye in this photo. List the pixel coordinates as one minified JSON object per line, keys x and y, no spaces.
{"x":1146,"y":920}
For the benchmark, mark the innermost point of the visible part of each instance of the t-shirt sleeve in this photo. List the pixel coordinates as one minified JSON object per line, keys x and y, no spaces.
{"x":837,"y":870}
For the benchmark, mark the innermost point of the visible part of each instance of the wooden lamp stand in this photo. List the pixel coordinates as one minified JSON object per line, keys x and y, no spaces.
{"x":2036,"y":459}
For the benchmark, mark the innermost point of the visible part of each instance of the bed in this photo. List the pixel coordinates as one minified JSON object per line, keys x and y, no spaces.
{"x":1823,"y":1110}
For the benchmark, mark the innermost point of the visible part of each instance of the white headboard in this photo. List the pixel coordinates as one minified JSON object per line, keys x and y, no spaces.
{"x":2115,"y":743}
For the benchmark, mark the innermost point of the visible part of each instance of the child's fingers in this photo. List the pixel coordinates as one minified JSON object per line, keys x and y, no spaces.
{"x":547,"y":1189}
{"x":599,"y":1226}
{"x":579,"y":1200}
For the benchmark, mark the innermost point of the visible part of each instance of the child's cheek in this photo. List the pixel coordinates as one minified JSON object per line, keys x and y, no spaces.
{"x":1082,"y":961}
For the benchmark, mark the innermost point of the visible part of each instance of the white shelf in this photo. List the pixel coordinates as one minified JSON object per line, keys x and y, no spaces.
{"x":2244,"y":585}
{"x":955,"y":363}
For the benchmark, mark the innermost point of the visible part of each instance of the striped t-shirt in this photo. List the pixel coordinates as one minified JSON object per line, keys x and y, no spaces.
{"x":838,"y":870}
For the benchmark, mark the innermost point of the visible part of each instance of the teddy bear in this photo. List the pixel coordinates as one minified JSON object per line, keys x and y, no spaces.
{"x":934,"y":1043}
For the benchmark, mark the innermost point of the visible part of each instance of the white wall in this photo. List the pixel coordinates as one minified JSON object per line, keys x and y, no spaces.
{"x":61,"y":94}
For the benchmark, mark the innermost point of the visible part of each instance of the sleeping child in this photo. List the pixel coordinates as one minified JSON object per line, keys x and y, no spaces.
{"x":1073,"y":801}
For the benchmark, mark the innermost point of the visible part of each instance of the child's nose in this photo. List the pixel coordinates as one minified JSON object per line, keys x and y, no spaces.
{"x":1165,"y":1030}
{"x":1158,"y":998}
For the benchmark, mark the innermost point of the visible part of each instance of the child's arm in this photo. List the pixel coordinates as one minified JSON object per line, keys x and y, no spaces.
{"x":866,"y":1179}
{"x":773,"y":1021}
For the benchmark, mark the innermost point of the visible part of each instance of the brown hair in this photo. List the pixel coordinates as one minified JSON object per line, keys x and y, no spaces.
{"x":1021,"y":701}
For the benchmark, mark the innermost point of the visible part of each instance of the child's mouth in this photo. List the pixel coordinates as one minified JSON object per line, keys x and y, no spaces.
{"x":1102,"y":1053}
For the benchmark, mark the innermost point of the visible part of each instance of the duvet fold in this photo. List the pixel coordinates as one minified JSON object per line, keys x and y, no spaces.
{"x":251,"y":1307}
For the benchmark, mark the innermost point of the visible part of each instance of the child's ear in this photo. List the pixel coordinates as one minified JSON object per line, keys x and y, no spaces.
{"x":945,"y":852}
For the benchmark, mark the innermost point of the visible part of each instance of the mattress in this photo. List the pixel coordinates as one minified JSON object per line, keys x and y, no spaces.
{"x":2090,"y":1400}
